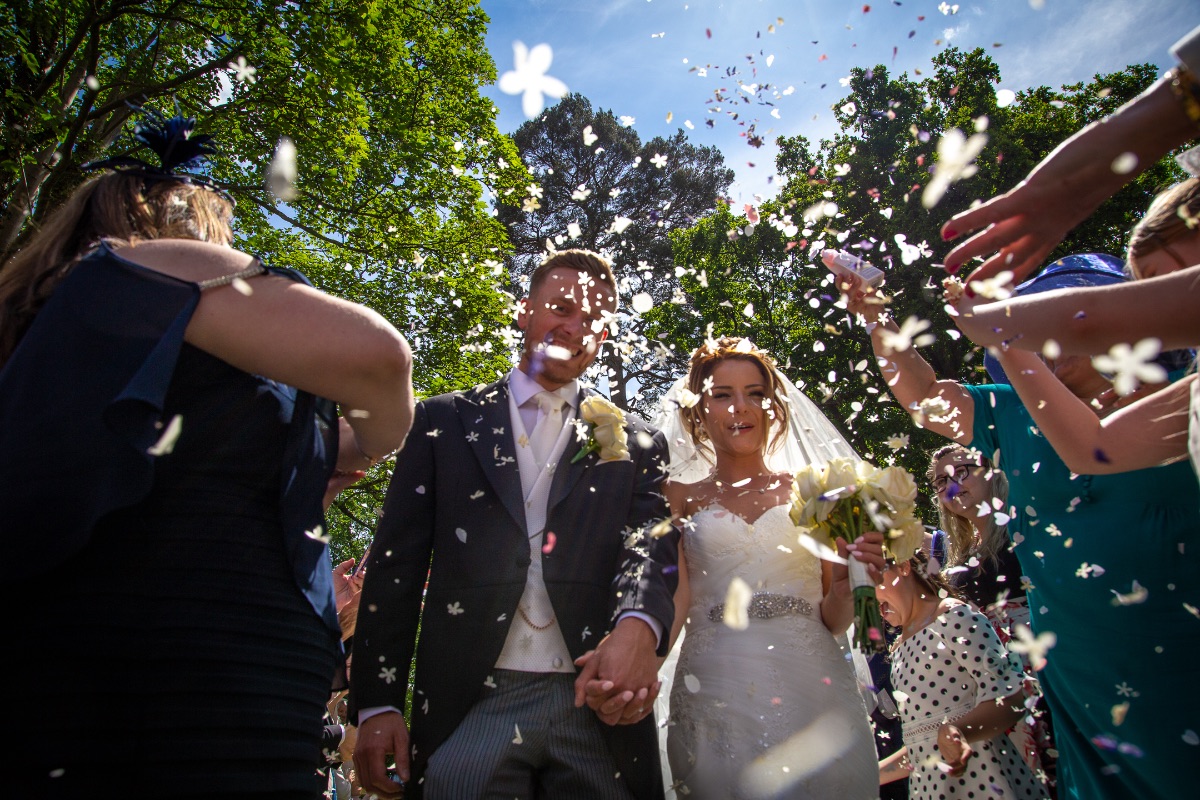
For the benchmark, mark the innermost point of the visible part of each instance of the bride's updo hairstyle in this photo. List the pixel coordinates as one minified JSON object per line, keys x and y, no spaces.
{"x":705,"y":359}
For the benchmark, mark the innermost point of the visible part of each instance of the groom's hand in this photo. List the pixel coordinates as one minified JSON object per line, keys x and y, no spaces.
{"x":619,"y":679}
{"x":382,"y":735}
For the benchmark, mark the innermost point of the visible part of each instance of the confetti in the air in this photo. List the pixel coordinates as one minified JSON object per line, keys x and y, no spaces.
{"x":956,"y":161}
{"x":1125,"y":163}
{"x":242,"y":71}
{"x":619,"y":225}
{"x":528,"y":78}
{"x":1035,"y":647}
{"x":1132,"y":366}
{"x":737,"y":605}
{"x":282,"y":171}
{"x":909,"y":335}
{"x":998,"y":287}
{"x":170,"y":435}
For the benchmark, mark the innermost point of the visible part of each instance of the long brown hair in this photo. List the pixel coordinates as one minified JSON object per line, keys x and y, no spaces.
{"x":705,"y":359}
{"x":960,"y":531}
{"x":118,"y":207}
{"x":1166,"y":220}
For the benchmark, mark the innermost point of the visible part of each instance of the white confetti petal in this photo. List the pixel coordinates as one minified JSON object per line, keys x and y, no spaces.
{"x":166,"y":442}
{"x":1125,"y":163}
{"x":528,"y":78}
{"x":737,"y":605}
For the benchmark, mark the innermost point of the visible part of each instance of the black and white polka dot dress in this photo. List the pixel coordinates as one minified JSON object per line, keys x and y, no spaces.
{"x":942,"y":672}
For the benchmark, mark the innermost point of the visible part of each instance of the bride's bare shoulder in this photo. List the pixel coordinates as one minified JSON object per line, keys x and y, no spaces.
{"x":688,"y":498}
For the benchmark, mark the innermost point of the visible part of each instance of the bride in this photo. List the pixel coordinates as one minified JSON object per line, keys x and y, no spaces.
{"x":771,"y":710}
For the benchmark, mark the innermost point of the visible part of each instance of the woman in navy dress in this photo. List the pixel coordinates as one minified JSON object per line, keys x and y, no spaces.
{"x":166,"y":449}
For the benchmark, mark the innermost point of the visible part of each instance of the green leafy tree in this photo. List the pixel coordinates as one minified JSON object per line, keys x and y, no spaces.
{"x":598,"y":186}
{"x":862,"y":191}
{"x":395,"y":150}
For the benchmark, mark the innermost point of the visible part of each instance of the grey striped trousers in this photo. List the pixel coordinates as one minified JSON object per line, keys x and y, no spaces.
{"x":526,"y":739}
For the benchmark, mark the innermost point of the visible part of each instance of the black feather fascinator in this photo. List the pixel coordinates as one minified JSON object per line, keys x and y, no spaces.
{"x":178,"y":147}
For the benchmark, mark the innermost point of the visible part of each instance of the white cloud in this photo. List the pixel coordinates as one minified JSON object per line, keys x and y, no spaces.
{"x":1063,"y":49}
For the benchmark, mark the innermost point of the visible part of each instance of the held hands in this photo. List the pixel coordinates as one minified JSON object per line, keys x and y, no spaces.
{"x":619,"y":679}
{"x":954,"y":747}
{"x":380,"y":736}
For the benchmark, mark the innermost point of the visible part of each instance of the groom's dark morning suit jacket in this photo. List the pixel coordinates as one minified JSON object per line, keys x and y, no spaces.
{"x":455,"y":508}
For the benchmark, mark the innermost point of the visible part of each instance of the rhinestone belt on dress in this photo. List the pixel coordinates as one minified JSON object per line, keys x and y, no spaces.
{"x":764,"y":605}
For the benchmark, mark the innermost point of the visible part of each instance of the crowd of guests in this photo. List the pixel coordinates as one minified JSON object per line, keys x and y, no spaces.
{"x":176,"y":416}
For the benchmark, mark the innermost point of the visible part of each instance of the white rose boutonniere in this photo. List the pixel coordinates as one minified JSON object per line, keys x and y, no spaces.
{"x":606,"y":434}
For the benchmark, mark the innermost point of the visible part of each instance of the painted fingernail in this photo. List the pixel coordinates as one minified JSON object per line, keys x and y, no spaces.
{"x":948,"y":234}
{"x":953,"y":268}
{"x":969,"y":292}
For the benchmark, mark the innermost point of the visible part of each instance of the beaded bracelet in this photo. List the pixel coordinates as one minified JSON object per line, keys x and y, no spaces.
{"x":1186,"y":91}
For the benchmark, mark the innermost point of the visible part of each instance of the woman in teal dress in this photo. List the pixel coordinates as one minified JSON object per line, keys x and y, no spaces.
{"x":1108,"y":561}
{"x":1111,"y":565}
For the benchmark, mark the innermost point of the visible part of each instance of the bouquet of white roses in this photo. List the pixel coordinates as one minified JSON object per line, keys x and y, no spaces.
{"x":844,"y":497}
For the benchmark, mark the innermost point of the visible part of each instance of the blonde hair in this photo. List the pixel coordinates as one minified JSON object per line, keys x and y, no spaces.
{"x":1166,"y":220}
{"x":960,"y":531}
{"x":705,"y":359}
{"x":121,"y":208}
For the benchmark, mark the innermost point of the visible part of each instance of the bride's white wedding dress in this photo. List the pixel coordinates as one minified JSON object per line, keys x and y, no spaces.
{"x":772,"y":711}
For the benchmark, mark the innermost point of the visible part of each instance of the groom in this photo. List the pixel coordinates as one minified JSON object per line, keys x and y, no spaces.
{"x":532,"y":525}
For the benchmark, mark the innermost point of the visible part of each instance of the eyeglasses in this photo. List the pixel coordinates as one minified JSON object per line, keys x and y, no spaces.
{"x":957,"y":475}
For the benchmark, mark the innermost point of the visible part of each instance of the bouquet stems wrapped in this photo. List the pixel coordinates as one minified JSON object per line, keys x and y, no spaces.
{"x":845,"y":497}
{"x":845,"y":521}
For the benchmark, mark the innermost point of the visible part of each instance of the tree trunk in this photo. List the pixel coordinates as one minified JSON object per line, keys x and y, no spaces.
{"x":20,"y":206}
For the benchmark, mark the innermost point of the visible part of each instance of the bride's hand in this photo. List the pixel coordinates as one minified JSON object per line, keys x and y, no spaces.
{"x":619,"y":679}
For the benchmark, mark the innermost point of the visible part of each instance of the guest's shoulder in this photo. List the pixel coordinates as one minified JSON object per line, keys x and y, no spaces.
{"x":959,"y":617}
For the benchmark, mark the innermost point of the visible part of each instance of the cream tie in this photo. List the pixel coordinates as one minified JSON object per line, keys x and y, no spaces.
{"x":545,"y":433}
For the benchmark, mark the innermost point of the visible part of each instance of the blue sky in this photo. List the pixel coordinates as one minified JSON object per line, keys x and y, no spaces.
{"x":642,"y":58}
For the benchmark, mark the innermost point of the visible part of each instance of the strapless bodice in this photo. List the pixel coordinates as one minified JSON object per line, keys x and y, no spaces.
{"x":766,"y":554}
